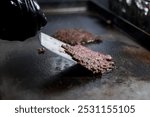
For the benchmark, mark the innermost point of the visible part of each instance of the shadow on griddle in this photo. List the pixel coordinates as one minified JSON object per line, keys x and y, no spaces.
{"x":22,"y":73}
{"x":71,"y":77}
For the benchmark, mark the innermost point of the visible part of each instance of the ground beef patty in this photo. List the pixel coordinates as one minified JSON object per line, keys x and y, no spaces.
{"x":94,"y":61}
{"x":75,"y":36}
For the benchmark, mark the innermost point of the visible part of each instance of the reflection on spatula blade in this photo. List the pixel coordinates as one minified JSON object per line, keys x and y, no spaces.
{"x":54,"y":45}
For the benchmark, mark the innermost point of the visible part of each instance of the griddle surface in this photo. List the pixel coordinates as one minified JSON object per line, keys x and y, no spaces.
{"x":24,"y":74}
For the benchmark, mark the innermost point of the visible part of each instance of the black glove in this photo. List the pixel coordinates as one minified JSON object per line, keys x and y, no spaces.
{"x":20,"y":19}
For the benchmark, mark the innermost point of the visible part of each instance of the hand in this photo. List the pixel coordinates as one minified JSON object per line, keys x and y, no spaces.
{"x":20,"y":19}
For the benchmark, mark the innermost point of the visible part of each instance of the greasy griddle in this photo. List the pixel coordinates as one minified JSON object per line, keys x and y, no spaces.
{"x":24,"y":74}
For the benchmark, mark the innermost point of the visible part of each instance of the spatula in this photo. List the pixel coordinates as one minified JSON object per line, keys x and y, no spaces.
{"x":54,"y":45}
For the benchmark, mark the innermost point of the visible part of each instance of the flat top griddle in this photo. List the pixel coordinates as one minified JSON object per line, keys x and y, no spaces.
{"x":24,"y":74}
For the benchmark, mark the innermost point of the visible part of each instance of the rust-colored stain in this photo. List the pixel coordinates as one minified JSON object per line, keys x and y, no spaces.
{"x":138,"y":52}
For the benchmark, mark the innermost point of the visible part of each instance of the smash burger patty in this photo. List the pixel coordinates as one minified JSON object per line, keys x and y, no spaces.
{"x":75,"y":36}
{"x":94,"y":61}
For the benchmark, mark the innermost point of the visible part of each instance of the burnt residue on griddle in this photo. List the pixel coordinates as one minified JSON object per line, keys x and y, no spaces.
{"x":41,"y":50}
{"x":138,"y":52}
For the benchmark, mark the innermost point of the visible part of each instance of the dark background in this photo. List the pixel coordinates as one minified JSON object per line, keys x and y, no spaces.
{"x":133,"y":14}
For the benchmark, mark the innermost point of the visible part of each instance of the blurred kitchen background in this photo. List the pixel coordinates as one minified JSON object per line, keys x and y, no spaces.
{"x":135,"y":11}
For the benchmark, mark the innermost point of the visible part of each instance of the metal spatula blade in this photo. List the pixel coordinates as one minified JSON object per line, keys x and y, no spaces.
{"x":54,"y":45}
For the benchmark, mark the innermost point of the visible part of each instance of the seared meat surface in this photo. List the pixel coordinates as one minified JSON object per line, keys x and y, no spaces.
{"x":75,"y":36}
{"x":94,"y":61}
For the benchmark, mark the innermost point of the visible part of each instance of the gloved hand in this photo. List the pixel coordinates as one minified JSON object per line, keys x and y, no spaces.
{"x":20,"y":19}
